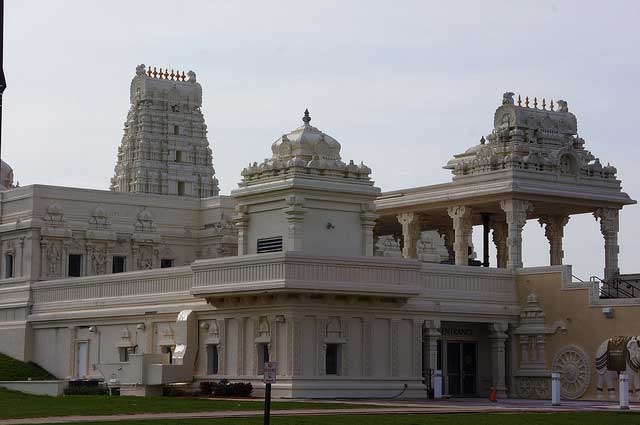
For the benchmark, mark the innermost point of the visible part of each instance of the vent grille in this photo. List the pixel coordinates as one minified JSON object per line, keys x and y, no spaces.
{"x":269,"y":244}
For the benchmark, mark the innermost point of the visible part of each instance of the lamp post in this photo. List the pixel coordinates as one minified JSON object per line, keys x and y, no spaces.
{"x":3,"y":82}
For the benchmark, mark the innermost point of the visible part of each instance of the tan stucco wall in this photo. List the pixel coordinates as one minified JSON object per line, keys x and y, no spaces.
{"x":587,"y":327}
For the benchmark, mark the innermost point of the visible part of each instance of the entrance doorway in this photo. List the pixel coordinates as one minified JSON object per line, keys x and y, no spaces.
{"x":82,"y":359}
{"x":462,"y":368}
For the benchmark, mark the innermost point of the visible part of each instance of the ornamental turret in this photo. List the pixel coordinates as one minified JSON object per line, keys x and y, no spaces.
{"x":164,"y":149}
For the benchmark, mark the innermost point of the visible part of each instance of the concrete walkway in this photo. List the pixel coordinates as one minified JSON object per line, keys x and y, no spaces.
{"x":378,"y":407}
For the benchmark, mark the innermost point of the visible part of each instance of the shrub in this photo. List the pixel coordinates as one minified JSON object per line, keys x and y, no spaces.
{"x":224,"y":388}
{"x":173,"y":391}
{"x":206,"y":387}
{"x":86,"y":387}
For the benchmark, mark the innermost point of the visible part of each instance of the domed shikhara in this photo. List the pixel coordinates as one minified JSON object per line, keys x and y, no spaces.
{"x":526,"y":137}
{"x":305,"y":151}
{"x":6,"y":176}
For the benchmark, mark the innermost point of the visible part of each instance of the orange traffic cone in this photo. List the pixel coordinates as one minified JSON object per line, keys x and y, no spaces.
{"x":494,"y":396}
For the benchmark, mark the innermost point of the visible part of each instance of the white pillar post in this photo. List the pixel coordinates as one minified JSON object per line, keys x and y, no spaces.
{"x":516,"y":213}
{"x":554,"y":231}
{"x":368,"y":218}
{"x":437,"y":385}
{"x":624,"y":391}
{"x":555,"y":389}
{"x":462,"y":227}
{"x":295,"y":219}
{"x":500,"y":241}
{"x":241,"y":221}
{"x":609,"y":226}
{"x":498,"y":338}
{"x":410,"y":232}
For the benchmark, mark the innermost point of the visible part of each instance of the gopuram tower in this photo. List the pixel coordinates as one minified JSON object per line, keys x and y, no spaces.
{"x":164,"y":149}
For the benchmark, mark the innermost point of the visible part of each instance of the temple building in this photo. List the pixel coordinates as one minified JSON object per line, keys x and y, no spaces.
{"x":353,"y":291}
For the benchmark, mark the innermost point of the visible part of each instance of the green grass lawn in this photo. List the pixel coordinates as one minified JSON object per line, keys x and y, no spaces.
{"x":18,"y":405}
{"x":15,"y":370}
{"x":586,"y":418}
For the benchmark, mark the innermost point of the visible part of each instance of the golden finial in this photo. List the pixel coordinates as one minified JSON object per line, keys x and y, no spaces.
{"x":172,"y":75}
{"x":535,"y":102}
{"x":166,"y":74}
{"x":519,"y":101}
{"x":155,"y":72}
{"x":551,"y":105}
{"x":149,"y":71}
{"x":184,"y":77}
{"x":544,"y":103}
{"x":526,"y":102}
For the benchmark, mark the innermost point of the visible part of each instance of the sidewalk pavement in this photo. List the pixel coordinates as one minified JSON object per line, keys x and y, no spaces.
{"x":378,"y":407}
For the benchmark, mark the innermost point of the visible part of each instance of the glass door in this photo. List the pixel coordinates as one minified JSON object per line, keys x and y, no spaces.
{"x":461,"y":367}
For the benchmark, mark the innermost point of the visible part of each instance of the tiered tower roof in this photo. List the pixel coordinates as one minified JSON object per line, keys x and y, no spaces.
{"x":164,"y":149}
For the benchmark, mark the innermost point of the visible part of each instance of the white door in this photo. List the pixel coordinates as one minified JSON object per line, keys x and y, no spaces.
{"x":82,"y":359}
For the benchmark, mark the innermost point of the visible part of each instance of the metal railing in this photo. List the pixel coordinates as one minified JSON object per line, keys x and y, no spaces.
{"x":618,"y":287}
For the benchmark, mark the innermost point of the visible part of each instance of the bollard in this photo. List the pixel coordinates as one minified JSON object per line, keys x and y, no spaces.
{"x":624,"y":391}
{"x":555,"y":389}
{"x":437,"y":384}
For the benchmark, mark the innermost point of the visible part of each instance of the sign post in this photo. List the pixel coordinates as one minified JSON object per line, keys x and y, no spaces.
{"x":269,"y":378}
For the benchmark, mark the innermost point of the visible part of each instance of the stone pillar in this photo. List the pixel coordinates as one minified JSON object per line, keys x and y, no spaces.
{"x":368,"y":218}
{"x":516,"y":211}
{"x":430,"y":351}
{"x":498,"y":338}
{"x":500,"y":240}
{"x":241,"y":221}
{"x":554,"y":231}
{"x":609,"y":226}
{"x":462,"y":226}
{"x":410,"y":232}
{"x":295,"y":221}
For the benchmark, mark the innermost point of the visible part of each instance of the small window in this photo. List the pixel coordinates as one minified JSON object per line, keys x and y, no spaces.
{"x":166,"y":263}
{"x":263,"y":357}
{"x":269,"y":245}
{"x":181,"y":188}
{"x":333,"y":359}
{"x":125,"y":352}
{"x":176,"y":130}
{"x":178,"y":156}
{"x":8,"y":265}
{"x":75,"y":265}
{"x":119,"y":264}
{"x":212,"y":359}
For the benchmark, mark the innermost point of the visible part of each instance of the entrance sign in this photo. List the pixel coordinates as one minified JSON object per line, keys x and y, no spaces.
{"x":270,"y":372}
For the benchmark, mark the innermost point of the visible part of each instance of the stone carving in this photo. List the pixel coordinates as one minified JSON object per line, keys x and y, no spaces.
{"x":305,"y":150}
{"x":145,"y":221}
{"x":575,"y":371}
{"x":54,"y":257}
{"x":146,"y":256}
{"x":55,"y":215}
{"x":618,"y":354}
{"x":554,"y":231}
{"x":533,"y":387}
{"x":98,"y":256}
{"x":531,"y":139}
{"x":388,"y":246}
{"x":431,"y":247}
{"x":334,"y":328}
{"x":463,"y":227}
{"x":99,"y":219}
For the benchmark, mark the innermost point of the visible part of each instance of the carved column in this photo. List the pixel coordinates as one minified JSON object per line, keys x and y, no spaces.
{"x":431,"y":335}
{"x":410,"y":232}
{"x":367,"y":345}
{"x":242,"y":324}
{"x":395,"y":346}
{"x":498,"y":338}
{"x":241,"y":221}
{"x":500,"y":240}
{"x":368,"y":218}
{"x":609,"y":226}
{"x":295,"y":221}
{"x":554,"y":231}
{"x":462,"y":226}
{"x":516,"y":212}
{"x":43,"y":259}
{"x":21,"y":261}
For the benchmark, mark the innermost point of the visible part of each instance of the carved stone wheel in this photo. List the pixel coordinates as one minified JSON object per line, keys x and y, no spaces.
{"x":575,"y":371}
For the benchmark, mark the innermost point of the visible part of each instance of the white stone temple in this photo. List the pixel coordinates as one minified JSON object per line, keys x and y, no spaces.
{"x":353,"y":291}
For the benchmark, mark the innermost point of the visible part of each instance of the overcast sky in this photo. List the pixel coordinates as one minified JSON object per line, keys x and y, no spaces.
{"x":402,"y":85}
